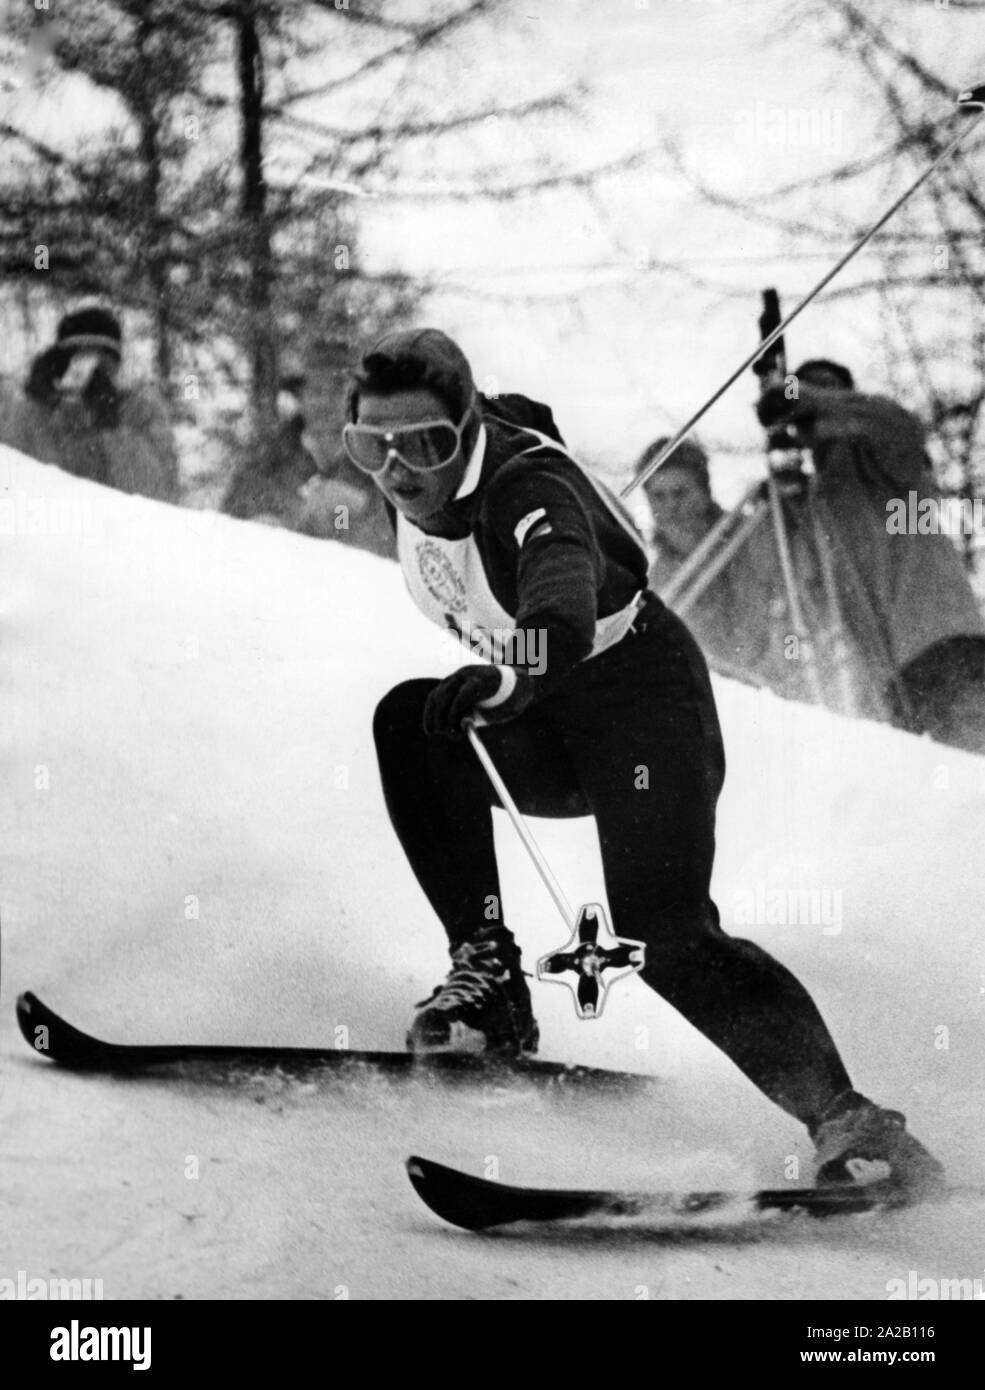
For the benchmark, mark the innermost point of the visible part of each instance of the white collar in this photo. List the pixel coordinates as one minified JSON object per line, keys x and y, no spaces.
{"x":473,"y":468}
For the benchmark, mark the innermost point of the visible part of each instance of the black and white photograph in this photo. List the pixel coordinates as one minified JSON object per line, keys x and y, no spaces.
{"x":492,"y":576}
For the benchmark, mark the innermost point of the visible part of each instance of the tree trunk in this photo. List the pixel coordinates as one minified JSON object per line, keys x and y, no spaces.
{"x":150,"y":158}
{"x":260,"y":266}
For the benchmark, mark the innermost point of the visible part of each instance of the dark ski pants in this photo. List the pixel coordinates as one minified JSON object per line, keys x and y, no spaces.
{"x":632,"y":738}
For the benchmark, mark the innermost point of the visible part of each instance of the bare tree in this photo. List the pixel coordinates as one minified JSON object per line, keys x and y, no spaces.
{"x":924,"y":277}
{"x":314,"y":112}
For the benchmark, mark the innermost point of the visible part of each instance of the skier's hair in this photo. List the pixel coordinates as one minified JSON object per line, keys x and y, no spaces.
{"x":814,"y":365}
{"x":410,"y":360}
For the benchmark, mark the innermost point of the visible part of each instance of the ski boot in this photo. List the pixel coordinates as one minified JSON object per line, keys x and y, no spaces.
{"x":483,"y":1005}
{"x":858,"y":1142}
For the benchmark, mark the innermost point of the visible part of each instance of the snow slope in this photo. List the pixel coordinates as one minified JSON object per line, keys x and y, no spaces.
{"x":196,"y":848}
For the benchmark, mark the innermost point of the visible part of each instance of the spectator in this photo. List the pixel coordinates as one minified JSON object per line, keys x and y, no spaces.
{"x":681,"y":504}
{"x":338,"y":506}
{"x":74,"y":412}
{"x":270,"y":489}
{"x":731,"y":617}
{"x":905,"y":598}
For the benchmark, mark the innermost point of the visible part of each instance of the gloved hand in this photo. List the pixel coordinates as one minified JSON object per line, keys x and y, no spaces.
{"x":773,"y":406}
{"x":46,"y":372}
{"x":460,"y":695}
{"x":102,"y":399}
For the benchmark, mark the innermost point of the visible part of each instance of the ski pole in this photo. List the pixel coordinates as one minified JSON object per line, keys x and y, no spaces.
{"x":520,"y":825}
{"x":974,"y":97}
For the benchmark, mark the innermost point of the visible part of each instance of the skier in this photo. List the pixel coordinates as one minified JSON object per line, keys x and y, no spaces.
{"x":500,"y":531}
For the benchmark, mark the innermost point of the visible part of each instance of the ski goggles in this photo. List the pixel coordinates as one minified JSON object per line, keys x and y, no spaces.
{"x":422,"y":447}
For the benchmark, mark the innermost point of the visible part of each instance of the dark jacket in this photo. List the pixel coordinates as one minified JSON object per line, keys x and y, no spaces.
{"x":269,"y":488}
{"x":137,"y":455}
{"x":900,"y":594}
{"x":538,"y":545}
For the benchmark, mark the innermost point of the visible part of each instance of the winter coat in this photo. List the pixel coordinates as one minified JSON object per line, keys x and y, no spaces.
{"x":724,"y":623}
{"x":270,"y":489}
{"x":341,"y":504}
{"x":900,"y":594}
{"x":137,"y":455}
{"x":741,"y":618}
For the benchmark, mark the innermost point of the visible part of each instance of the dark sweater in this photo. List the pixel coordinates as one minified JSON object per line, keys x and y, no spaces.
{"x":547,"y":542}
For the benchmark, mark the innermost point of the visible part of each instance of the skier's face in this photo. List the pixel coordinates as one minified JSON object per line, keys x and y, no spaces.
{"x":416,"y":492}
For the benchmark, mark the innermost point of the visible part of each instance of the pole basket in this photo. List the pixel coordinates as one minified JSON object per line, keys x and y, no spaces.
{"x":592,"y":961}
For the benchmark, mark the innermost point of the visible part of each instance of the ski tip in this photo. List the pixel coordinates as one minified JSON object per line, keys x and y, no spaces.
{"x":423,"y":1173}
{"x":425,"y":1170}
{"x":48,"y":1035}
{"x":30,"y":1016}
{"x":448,"y":1193}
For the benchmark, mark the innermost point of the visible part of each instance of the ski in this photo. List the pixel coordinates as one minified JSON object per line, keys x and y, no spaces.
{"x":477,"y":1204}
{"x":51,"y":1036}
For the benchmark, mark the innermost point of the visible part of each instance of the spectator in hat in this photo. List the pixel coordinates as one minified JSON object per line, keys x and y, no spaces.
{"x":75,"y":413}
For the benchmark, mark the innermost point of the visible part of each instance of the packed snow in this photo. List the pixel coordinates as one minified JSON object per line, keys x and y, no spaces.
{"x":197,"y":850}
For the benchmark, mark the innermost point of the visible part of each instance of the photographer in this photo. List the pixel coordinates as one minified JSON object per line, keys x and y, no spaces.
{"x":905,"y":598}
{"x":75,"y":413}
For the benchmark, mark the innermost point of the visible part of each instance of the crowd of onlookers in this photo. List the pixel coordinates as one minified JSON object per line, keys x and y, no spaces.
{"x":79,"y":408}
{"x":879,"y":621}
